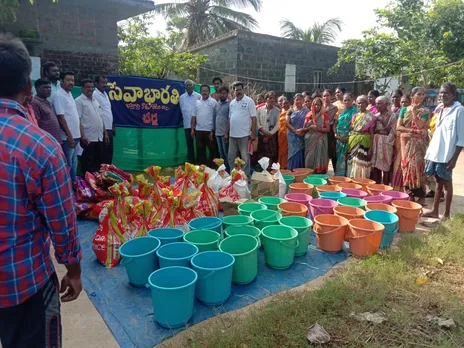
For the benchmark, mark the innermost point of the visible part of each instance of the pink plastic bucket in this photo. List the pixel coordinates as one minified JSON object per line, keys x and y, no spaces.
{"x":301,"y":198}
{"x":379,"y":199}
{"x":353,"y":193}
{"x":321,"y":206}
{"x":396,"y":195}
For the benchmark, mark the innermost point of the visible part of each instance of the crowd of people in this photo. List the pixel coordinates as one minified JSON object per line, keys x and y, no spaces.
{"x":395,"y":141}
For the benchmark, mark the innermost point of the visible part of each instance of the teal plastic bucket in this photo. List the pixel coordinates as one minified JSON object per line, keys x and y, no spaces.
{"x":245,"y":251}
{"x":247,"y":230}
{"x":247,"y":208}
{"x":315,"y":181}
{"x":389,"y":220}
{"x":320,"y":176}
{"x":167,"y":235}
{"x":289,"y":179}
{"x":205,"y":240}
{"x":206,"y":223}
{"x":176,"y":254}
{"x":280,"y":243}
{"x":271,"y":202}
{"x":334,"y":196}
{"x":214,"y":270}
{"x":353,"y":202}
{"x":303,"y":226}
{"x":236,"y":220}
{"x":173,"y":295}
{"x":139,"y":258}
{"x":264,"y":218}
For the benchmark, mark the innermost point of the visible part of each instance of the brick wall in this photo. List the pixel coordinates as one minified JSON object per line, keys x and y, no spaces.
{"x":264,"y":57}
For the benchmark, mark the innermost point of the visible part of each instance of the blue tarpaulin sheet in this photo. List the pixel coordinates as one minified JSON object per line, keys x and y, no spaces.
{"x":128,"y":311}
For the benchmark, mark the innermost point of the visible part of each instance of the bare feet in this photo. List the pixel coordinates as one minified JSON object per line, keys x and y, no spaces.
{"x":431,"y":214}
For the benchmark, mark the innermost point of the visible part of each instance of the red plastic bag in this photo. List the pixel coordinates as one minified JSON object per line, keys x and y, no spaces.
{"x":209,"y":202}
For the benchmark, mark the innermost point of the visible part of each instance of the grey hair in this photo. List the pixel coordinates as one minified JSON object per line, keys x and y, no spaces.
{"x":189,"y":82}
{"x":363,"y":98}
{"x":383,"y":99}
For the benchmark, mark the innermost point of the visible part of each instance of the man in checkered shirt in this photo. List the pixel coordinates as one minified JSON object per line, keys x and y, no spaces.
{"x":36,"y":208}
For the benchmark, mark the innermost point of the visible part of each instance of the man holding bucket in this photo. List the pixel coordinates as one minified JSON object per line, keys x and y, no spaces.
{"x":36,"y":206}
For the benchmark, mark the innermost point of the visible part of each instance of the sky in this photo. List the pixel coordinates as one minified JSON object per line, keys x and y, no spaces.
{"x":356,"y":18}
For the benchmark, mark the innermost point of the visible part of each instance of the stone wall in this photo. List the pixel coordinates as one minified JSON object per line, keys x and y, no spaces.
{"x":262,"y":58}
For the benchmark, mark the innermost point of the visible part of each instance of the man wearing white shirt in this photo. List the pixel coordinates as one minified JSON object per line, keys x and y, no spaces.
{"x":51,"y":72}
{"x":93,"y":131}
{"x":188,"y":103}
{"x":101,"y":83}
{"x":203,"y":125}
{"x":444,"y":149}
{"x":242,"y":113}
{"x":66,"y":111}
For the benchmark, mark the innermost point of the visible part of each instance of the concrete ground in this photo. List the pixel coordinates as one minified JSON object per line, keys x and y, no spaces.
{"x":84,"y":327}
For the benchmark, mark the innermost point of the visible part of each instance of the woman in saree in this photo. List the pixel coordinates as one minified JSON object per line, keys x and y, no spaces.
{"x":316,"y":128}
{"x":396,"y":101}
{"x":397,"y":174}
{"x":342,"y":126}
{"x":332,"y":111}
{"x":282,"y":134}
{"x":384,"y":140}
{"x":295,"y":122}
{"x":413,"y":124}
{"x":268,"y":126}
{"x":359,"y":141}
{"x":371,"y":97}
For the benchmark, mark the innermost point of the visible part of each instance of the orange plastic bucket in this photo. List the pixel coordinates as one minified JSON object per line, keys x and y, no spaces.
{"x":293,"y":209}
{"x":349,"y":185}
{"x":330,"y":232}
{"x":301,"y":187}
{"x":363,"y":182}
{"x":308,"y":171}
{"x":349,"y":213}
{"x":408,"y":212}
{"x":328,"y":188}
{"x":365,"y":237}
{"x":377,"y":189}
{"x":335,"y":180}
{"x":301,"y":173}
{"x":283,"y":172}
{"x":380,"y":206}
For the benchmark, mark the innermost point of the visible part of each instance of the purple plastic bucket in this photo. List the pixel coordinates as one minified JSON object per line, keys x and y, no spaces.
{"x":301,"y":198}
{"x":321,"y":206}
{"x":396,"y":195}
{"x":353,"y":193}
{"x":379,"y":199}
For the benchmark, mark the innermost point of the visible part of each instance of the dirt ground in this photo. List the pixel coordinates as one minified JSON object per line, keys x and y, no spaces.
{"x":84,"y":327}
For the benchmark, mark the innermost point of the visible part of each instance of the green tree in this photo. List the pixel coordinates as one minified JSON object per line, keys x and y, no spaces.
{"x":204,"y":20}
{"x":323,"y":33}
{"x":9,"y":10}
{"x":424,"y":41}
{"x":143,"y":55}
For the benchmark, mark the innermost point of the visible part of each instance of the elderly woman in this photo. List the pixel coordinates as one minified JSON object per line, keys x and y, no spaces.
{"x":342,"y":131}
{"x":282,"y":135}
{"x":316,"y":128}
{"x":413,"y":126}
{"x":331,"y":110}
{"x":397,"y":174}
{"x":360,"y":140}
{"x":371,"y":97}
{"x":295,"y":123}
{"x":268,"y":126}
{"x":384,"y":140}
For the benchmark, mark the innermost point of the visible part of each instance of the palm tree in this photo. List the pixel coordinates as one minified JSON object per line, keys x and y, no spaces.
{"x":324,"y":33}
{"x":207,"y":19}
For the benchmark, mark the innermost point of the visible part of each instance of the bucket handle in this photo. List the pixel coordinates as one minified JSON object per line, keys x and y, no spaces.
{"x":259,"y":241}
{"x":291,"y":246}
{"x":270,"y":216}
{"x":207,"y":276}
{"x":126,"y":260}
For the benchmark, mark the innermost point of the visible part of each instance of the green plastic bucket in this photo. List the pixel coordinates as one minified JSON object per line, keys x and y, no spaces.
{"x":205,"y":240}
{"x":289,"y":179}
{"x":271,"y":202}
{"x":248,"y":208}
{"x":280,"y":243}
{"x":352,"y":202}
{"x":246,"y":230}
{"x":320,"y":176}
{"x":315,"y":181}
{"x":245,"y":251}
{"x":236,"y":220}
{"x":303,"y":226}
{"x":264,"y":218}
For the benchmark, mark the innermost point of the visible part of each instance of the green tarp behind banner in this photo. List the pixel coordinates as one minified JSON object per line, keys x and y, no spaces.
{"x":138,"y":148}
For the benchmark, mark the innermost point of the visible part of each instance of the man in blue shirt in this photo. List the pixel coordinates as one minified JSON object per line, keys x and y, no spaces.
{"x":222,"y":119}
